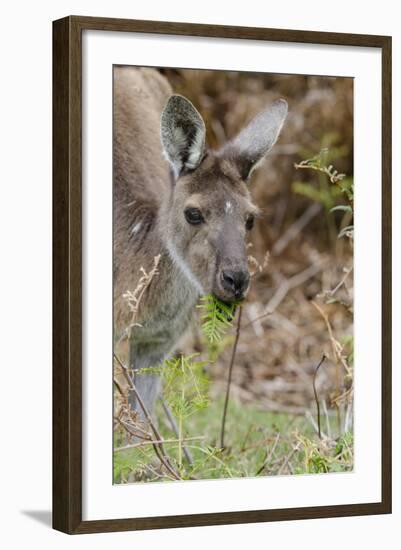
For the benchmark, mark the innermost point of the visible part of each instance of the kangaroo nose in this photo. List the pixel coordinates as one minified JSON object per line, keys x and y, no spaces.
{"x":235,"y":281}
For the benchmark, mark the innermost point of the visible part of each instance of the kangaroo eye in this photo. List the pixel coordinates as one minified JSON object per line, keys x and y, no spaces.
{"x":249,"y":222}
{"x":193,"y":216}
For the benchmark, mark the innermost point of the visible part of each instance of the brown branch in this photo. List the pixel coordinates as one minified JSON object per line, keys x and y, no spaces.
{"x":157,"y":474}
{"x":119,"y":388}
{"x":335,"y":344}
{"x":258,"y":318}
{"x":315,"y":394}
{"x":289,"y":235}
{"x":158,"y":447}
{"x":230,"y":370}
{"x":153,"y":441}
{"x":338,"y":358}
{"x":286,"y":286}
{"x":340,"y":284}
{"x":288,"y":458}
{"x":133,"y":430}
{"x":293,"y":282}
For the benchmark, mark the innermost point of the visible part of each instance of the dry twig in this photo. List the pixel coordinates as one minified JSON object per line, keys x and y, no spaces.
{"x":286,"y":286}
{"x":335,"y":344}
{"x":158,"y":447}
{"x":230,"y":370}
{"x":316,"y":396}
{"x":134,"y":297}
{"x":290,"y":234}
{"x":153,"y":441}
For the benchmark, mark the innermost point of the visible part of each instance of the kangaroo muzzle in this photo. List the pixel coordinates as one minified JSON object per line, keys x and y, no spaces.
{"x":235,"y":282}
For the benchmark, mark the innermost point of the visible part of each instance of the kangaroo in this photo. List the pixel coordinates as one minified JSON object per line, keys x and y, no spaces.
{"x":175,"y":198}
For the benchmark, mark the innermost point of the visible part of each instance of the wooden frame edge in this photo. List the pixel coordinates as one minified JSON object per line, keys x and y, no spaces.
{"x":386,"y":273}
{"x":67,"y":310}
{"x":227,"y":31}
{"x":67,"y":275}
{"x":228,"y":518}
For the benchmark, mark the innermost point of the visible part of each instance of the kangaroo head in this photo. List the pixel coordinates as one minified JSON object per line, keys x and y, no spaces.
{"x":210,"y":210}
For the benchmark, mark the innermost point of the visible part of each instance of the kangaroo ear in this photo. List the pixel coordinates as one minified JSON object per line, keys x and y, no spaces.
{"x":182,"y":134}
{"x":251,"y":145}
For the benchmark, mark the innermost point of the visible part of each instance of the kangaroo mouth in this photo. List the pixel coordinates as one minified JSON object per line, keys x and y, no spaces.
{"x":227,"y":308}
{"x":228,"y":298}
{"x":230,"y":288}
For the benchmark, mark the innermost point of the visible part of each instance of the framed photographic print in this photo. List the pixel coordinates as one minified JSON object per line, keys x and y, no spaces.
{"x":222,"y":274}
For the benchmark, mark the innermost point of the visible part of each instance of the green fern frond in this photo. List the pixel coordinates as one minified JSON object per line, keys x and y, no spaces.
{"x":217,"y":317}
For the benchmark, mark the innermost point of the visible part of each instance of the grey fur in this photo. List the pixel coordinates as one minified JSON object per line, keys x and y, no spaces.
{"x":251,"y":145}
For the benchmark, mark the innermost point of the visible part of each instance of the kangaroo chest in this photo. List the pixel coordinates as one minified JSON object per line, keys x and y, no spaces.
{"x":168,"y":313}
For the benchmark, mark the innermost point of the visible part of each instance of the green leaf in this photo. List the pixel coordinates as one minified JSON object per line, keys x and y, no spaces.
{"x":217,"y":317}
